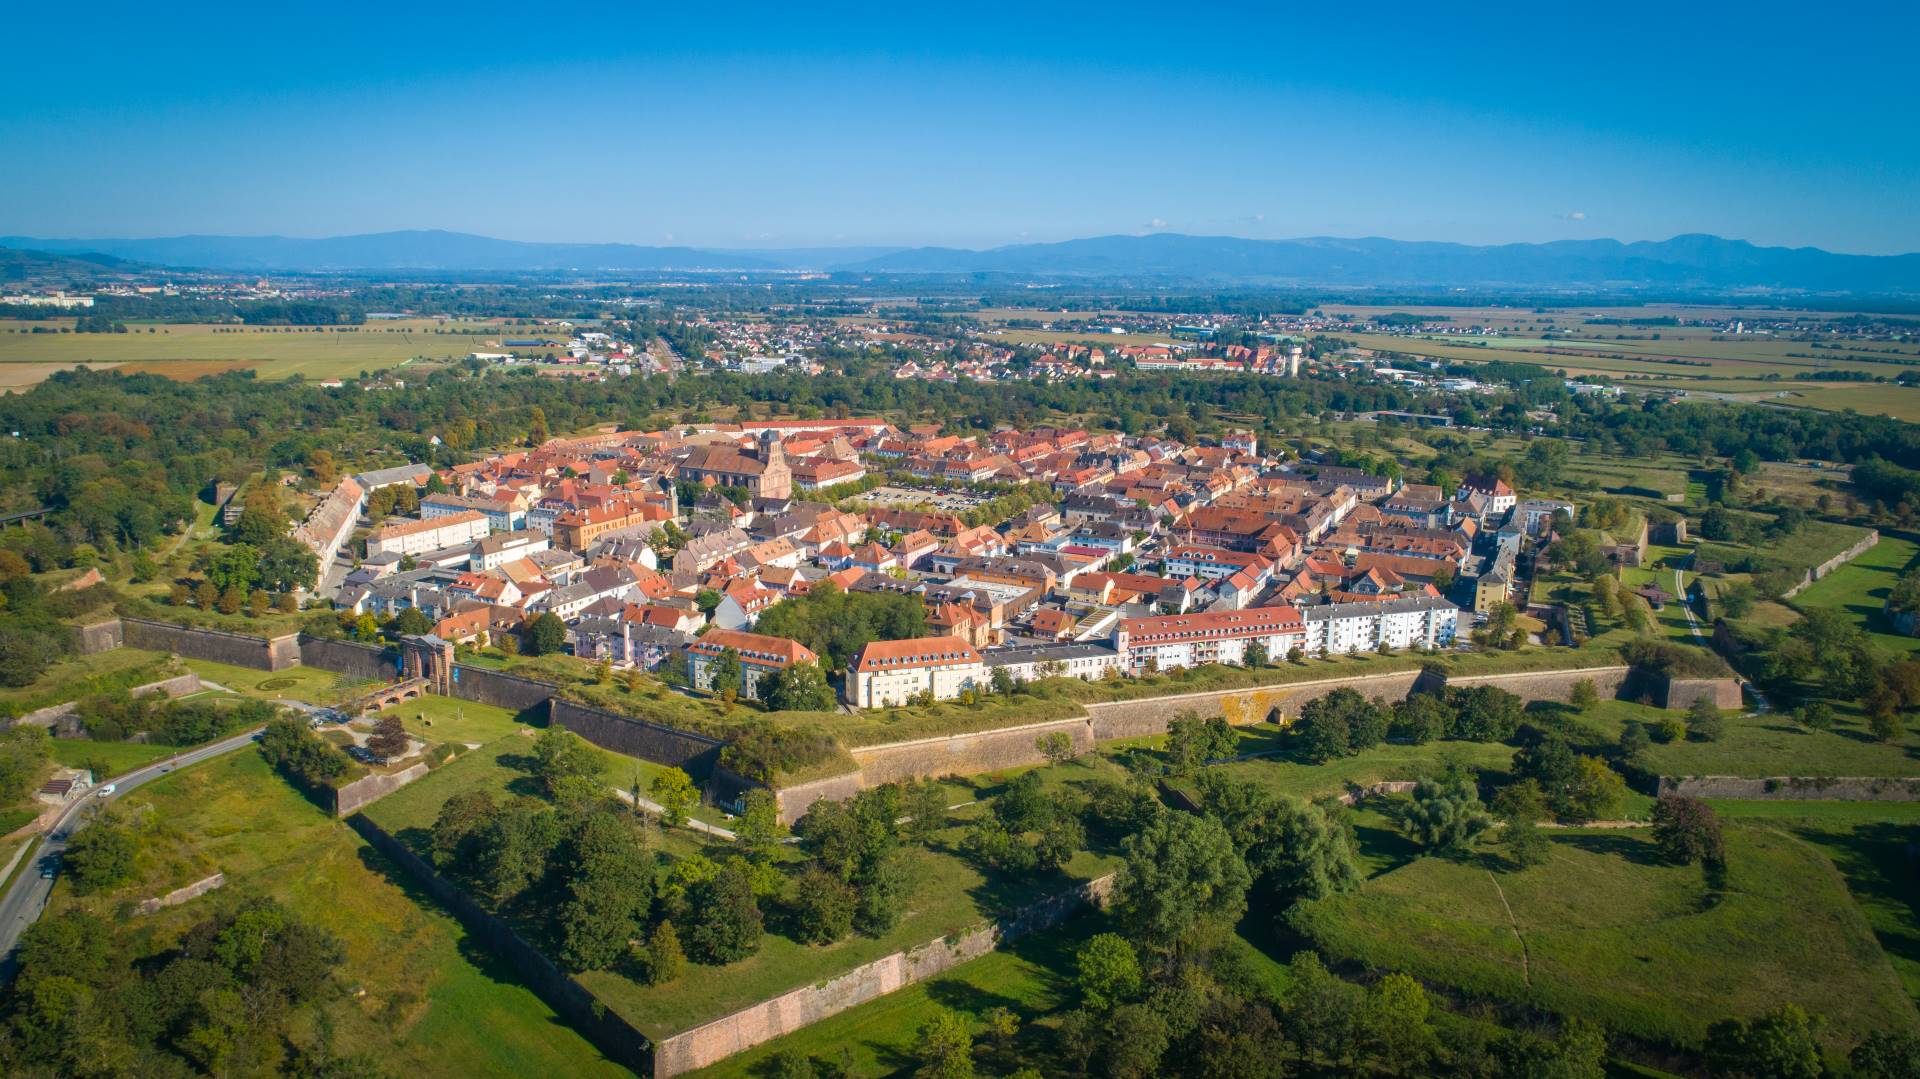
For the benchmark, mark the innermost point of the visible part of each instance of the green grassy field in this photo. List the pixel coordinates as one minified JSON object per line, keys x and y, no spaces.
{"x":310,"y":684}
{"x":445,"y":719}
{"x":86,"y":676}
{"x":1764,"y":744}
{"x":188,"y":351}
{"x":1860,"y":588}
{"x":1612,"y":933}
{"x":117,"y":757}
{"x":421,"y":995}
{"x":950,"y":894}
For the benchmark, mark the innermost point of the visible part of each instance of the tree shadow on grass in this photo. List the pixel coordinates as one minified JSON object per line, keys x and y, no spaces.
{"x":963,"y":996}
{"x":1878,"y":862}
{"x":1620,"y":846}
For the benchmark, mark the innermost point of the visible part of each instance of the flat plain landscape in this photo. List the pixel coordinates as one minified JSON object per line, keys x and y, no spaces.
{"x":190,"y":350}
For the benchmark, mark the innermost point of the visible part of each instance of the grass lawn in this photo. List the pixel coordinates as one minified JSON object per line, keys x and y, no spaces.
{"x":428,"y":1000}
{"x":1860,"y":588}
{"x":447,"y":719}
{"x":1867,"y":842}
{"x":1767,"y":744}
{"x":1612,"y":933}
{"x":108,"y":759}
{"x":310,"y":684}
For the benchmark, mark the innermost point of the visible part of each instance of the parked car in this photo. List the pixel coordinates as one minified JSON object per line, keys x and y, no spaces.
{"x":106,"y":790}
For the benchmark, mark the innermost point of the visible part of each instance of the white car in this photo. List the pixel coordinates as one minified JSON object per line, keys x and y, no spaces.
{"x":106,"y":790}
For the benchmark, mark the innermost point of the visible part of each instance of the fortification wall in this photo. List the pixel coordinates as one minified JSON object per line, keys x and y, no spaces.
{"x":216,"y":645}
{"x":351,"y":658}
{"x":99,"y":637}
{"x":694,"y":753}
{"x":180,"y":895}
{"x":500,"y":690}
{"x":1795,"y":788}
{"x":1866,"y":544}
{"x":964,"y":754}
{"x":703,"y":1045}
{"x":54,"y":717}
{"x":367,"y":790}
{"x":608,"y":1032}
{"x":1533,"y":686}
{"x":793,"y":801}
{"x":1682,"y":692}
{"x":1282,"y":703}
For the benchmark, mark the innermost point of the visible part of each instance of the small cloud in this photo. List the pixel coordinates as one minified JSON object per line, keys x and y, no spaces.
{"x":1157,"y":223}
{"x":1576,"y":215}
{"x":1257,"y":218}
{"x":666,"y":237}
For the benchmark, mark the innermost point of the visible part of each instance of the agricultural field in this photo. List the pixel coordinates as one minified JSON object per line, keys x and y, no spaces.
{"x":1608,"y":930}
{"x":190,"y":350}
{"x":1698,"y":362}
{"x":419,"y":988}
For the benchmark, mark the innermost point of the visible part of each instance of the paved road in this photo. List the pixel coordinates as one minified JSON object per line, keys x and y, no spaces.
{"x":22,"y":903}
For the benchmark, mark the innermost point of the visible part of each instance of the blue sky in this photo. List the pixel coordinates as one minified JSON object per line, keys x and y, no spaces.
{"x":731,"y":125}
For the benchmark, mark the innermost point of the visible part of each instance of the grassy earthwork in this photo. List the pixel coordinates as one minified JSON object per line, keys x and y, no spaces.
{"x":416,"y":989}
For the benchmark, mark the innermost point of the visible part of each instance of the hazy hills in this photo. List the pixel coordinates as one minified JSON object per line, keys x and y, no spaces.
{"x":1684,"y":262}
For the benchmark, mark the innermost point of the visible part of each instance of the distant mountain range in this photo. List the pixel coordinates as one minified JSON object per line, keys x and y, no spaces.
{"x":1684,"y":262}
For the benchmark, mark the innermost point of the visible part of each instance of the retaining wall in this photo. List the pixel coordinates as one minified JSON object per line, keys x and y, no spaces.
{"x":367,"y":790}
{"x":180,"y":895}
{"x":1866,"y":544}
{"x":695,"y":753}
{"x":784,"y":1014}
{"x":217,"y":645}
{"x":1796,"y":788}
{"x":608,"y":1032}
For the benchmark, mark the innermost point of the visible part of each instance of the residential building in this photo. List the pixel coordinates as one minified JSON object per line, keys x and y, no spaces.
{"x":1168,"y":642}
{"x":889,"y":673}
{"x":761,"y":657}
{"x":498,"y":549}
{"x":414,"y":537}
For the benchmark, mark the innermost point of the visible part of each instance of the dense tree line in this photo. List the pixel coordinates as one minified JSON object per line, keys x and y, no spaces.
{"x":242,"y":992}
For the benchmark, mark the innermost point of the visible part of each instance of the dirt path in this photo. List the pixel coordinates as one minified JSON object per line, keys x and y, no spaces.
{"x":1526,"y":967}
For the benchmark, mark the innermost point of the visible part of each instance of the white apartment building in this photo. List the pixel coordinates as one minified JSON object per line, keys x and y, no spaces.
{"x":1334,"y":628}
{"x":888,"y":673}
{"x":498,"y":549}
{"x":1170,"y":642}
{"x":432,"y":534}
